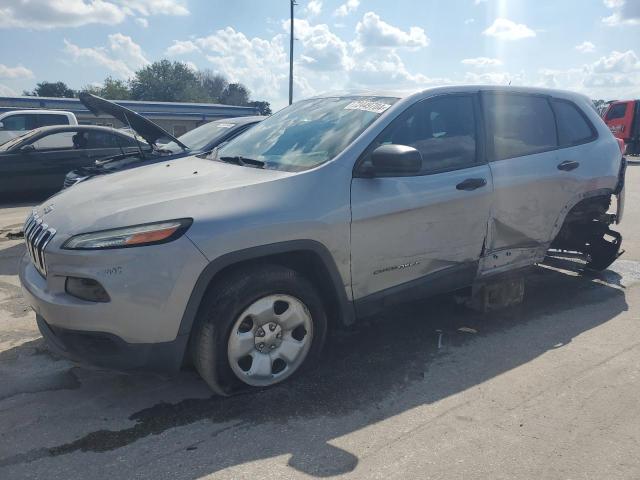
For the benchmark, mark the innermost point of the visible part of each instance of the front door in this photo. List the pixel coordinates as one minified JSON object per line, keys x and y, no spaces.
{"x":421,"y":234}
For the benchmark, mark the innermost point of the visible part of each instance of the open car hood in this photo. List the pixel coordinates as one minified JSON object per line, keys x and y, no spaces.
{"x":141,"y":125}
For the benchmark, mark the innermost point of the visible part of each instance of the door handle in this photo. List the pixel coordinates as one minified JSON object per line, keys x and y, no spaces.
{"x":471,"y":184}
{"x":568,"y":165}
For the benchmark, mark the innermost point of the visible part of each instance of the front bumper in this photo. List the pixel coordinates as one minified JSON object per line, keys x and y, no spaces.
{"x":149,"y":288}
{"x":105,"y":350}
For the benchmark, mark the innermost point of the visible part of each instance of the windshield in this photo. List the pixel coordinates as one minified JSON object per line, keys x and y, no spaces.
{"x":307,"y":133}
{"x":14,"y":141}
{"x":198,"y":138}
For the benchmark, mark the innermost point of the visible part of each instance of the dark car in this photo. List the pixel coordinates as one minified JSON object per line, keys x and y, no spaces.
{"x":199,"y":140}
{"x":37,"y":162}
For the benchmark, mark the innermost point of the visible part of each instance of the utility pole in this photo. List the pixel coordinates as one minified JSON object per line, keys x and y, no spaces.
{"x":293,"y":2}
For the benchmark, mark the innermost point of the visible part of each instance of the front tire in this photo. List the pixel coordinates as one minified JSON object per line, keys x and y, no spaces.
{"x":258,"y":327}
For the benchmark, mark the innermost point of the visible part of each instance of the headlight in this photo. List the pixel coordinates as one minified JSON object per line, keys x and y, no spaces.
{"x":135,"y":236}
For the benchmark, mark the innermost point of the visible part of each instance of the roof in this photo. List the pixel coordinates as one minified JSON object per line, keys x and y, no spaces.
{"x":67,"y":128}
{"x":45,"y":112}
{"x":451,"y":89}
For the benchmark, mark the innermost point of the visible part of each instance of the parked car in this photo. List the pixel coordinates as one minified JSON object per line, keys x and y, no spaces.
{"x":17,"y":122}
{"x":623,"y":119}
{"x":330,"y":210}
{"x":202,"y":139}
{"x":36,"y":162}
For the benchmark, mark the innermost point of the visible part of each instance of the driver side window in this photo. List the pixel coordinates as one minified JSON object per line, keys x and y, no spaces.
{"x":442,"y":129}
{"x":55,"y":141}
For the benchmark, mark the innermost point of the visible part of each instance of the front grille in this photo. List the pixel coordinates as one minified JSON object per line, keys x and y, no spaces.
{"x":37,"y":235}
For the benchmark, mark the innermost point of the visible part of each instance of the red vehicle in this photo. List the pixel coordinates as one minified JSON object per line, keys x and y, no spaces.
{"x":623,"y":119}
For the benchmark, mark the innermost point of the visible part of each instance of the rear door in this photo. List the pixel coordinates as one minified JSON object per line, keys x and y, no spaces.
{"x":420,"y":234}
{"x":533,"y":180}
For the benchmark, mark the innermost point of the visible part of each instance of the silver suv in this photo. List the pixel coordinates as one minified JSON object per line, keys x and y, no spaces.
{"x":327,"y":211}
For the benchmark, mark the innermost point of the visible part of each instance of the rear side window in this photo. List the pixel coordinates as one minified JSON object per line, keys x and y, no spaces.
{"x":618,"y":110}
{"x":573,"y":126}
{"x":97,"y":139}
{"x":53,"y":119}
{"x":519,"y":125}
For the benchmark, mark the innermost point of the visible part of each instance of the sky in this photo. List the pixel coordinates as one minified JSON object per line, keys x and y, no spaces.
{"x":591,"y":46}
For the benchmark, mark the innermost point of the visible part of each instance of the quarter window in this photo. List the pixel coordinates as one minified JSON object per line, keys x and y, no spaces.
{"x":442,"y":129}
{"x":618,"y":110}
{"x":573,"y":127}
{"x":519,"y":125}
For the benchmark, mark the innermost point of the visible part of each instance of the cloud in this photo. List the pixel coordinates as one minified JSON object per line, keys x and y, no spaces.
{"x":482,"y":62}
{"x":505,"y":29}
{"x":323,"y":50}
{"x":48,"y":14}
{"x":625,"y":12}
{"x":6,"y":91}
{"x":494,"y":78}
{"x":181,"y":47}
{"x":143,"y":22}
{"x":314,"y":7}
{"x":122,"y":55}
{"x":617,"y":62}
{"x":585,"y":47}
{"x":261,"y":64}
{"x":469,"y":21}
{"x":372,"y":31}
{"x":346,"y":8}
{"x":154,"y":7}
{"x":15,"y":72}
{"x":616,"y":75}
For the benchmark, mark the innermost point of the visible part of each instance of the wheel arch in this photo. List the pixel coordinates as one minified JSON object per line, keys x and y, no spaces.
{"x":309,"y":257}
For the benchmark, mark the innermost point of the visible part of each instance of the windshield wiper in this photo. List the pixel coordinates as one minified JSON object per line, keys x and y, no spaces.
{"x":243,"y":161}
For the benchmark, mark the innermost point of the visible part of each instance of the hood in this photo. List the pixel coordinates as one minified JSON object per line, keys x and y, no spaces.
{"x":190,"y":187}
{"x":141,"y":125}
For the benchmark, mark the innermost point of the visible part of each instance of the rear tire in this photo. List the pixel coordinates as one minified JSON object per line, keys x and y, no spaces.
{"x":256,"y":328}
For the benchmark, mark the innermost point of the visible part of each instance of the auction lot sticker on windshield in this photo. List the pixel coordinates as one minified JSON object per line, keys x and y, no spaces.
{"x":367,"y":106}
{"x":225,"y":125}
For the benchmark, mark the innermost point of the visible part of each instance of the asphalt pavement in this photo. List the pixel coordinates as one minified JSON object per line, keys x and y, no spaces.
{"x":548,"y":389}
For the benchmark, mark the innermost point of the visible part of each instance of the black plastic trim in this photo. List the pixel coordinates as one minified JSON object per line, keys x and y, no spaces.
{"x":106,"y":350}
{"x":345,"y":307}
{"x":443,"y":281}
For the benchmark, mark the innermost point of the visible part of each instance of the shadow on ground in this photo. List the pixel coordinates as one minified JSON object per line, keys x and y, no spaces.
{"x":381,"y":368}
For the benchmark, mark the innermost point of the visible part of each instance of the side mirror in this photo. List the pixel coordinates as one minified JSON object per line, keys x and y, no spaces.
{"x":27,"y":148}
{"x":395,"y":160}
{"x":1,"y":126}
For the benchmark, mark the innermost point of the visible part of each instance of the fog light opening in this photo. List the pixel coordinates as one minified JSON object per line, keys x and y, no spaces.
{"x":86,"y":289}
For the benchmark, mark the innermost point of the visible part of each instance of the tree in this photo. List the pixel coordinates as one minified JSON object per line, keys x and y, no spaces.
{"x":167,"y":81}
{"x":213,"y":84}
{"x":264,"y":108}
{"x":52,"y":89}
{"x":115,"y":89}
{"x":235,"y":94}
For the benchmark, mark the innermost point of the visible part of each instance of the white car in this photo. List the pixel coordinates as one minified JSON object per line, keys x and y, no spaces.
{"x":17,"y":122}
